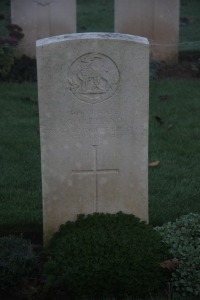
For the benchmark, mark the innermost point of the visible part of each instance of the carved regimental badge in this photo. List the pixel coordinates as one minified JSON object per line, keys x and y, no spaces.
{"x":93,"y":78}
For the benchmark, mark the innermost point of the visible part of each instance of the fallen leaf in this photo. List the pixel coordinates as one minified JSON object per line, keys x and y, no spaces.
{"x":159,"y":120}
{"x":154,"y":163}
{"x":169,"y":264}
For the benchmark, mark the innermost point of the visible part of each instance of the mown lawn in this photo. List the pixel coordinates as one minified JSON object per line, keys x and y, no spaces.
{"x":95,"y":15}
{"x":20,"y":183}
{"x":190,"y":33}
{"x":174,"y":140}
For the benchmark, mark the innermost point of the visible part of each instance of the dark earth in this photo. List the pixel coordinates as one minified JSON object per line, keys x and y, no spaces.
{"x":187,"y":68}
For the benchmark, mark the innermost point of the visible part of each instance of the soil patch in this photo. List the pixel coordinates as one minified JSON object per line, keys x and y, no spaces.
{"x":188,"y":67}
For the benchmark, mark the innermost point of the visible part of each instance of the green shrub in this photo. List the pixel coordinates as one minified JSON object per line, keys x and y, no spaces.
{"x":103,"y":255}
{"x":13,"y":68}
{"x":7,"y":47}
{"x":6,"y":60}
{"x":183,"y":238}
{"x":16,"y":261}
{"x":23,"y":69}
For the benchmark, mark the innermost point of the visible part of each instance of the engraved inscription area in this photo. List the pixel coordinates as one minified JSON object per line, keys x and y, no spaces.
{"x":95,"y":172}
{"x":93,"y":78}
{"x":43,"y":2}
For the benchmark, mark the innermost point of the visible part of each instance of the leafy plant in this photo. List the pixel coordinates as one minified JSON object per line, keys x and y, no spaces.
{"x":106,"y":255}
{"x":16,"y":261}
{"x":7,"y":46}
{"x":183,"y":238}
{"x":23,"y":69}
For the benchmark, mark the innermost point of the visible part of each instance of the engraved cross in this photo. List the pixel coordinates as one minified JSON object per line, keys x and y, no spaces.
{"x":95,"y":172}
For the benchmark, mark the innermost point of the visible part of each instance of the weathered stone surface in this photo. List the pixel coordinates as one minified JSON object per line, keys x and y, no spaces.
{"x":42,"y":18}
{"x":158,"y":20}
{"x":93,"y":102}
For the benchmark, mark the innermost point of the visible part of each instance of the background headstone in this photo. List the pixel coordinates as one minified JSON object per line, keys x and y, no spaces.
{"x":93,"y":103}
{"x":40,"y":19}
{"x":158,"y":20}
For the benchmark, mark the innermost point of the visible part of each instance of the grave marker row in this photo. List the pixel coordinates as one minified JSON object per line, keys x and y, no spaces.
{"x":158,"y":20}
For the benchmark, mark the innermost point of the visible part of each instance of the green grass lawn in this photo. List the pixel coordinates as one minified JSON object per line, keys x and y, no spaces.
{"x":173,"y":185}
{"x":190,"y":34}
{"x":95,"y":15}
{"x":20,"y":184}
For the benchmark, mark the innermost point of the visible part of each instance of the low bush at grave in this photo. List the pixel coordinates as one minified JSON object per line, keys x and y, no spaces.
{"x":183,"y":238}
{"x":16,"y":262}
{"x":104,"y":255}
{"x":12,"y":68}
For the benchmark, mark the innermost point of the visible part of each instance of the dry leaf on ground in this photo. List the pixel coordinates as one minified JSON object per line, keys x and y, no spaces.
{"x":169,"y":264}
{"x":154,"y":163}
{"x":159,"y":120}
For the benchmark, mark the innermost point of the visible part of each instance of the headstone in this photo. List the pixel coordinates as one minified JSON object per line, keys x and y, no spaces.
{"x":158,"y":20}
{"x":40,"y":19}
{"x":93,"y":103}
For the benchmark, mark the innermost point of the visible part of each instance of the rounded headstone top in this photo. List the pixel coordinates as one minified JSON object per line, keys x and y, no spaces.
{"x":98,"y":35}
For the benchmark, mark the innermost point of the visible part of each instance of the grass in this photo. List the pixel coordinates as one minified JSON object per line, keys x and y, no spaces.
{"x":5,"y":9}
{"x":190,"y":34}
{"x":20,"y":185}
{"x":174,"y":185}
{"x":95,"y":15}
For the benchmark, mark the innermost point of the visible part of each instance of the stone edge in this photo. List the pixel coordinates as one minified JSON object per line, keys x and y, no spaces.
{"x":85,"y":36}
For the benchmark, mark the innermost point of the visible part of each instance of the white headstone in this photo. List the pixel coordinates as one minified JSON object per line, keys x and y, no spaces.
{"x":158,"y":20}
{"x":40,"y":19}
{"x":93,"y":103}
